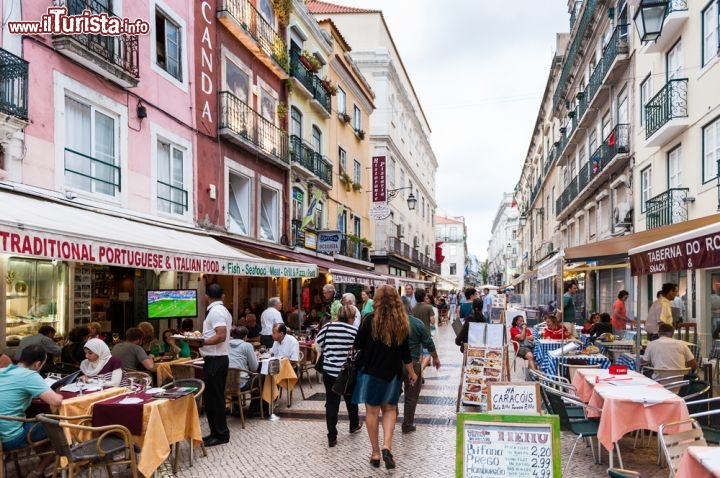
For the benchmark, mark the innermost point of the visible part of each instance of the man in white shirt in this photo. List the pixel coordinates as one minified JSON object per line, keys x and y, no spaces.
{"x":348,"y":298}
{"x":268,"y":319}
{"x":487,"y":303}
{"x":285,"y":345}
{"x":216,"y":335}
{"x":667,"y":352}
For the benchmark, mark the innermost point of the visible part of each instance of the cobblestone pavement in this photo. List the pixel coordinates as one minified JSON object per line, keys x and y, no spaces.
{"x":296,"y":445}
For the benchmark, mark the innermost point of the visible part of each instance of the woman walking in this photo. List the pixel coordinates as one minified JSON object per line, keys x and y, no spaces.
{"x":383,"y":344}
{"x":335,"y":340}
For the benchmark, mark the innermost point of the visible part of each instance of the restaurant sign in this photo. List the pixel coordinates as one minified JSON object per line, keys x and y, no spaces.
{"x":329,"y":241}
{"x":697,"y":253}
{"x":340,"y":277}
{"x":59,"y":247}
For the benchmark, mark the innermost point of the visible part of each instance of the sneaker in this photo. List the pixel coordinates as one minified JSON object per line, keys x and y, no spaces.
{"x":357,"y":428}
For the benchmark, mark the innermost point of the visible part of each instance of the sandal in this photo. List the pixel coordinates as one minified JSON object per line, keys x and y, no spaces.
{"x":375,"y":462}
{"x":388,"y":459}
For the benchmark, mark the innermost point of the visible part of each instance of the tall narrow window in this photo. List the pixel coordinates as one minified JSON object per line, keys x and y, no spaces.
{"x":317,"y":139}
{"x":91,"y":159}
{"x":298,"y":204}
{"x":342,"y":159}
{"x":645,"y":186}
{"x":172,"y":196}
{"x":357,"y":172}
{"x":674,"y":169}
{"x":711,"y":150}
{"x":674,"y":60}
{"x":319,"y":216}
{"x":391,"y":173}
{"x":341,"y":101}
{"x":269,"y":219}
{"x":710,"y":45}
{"x":239,"y":204}
{"x":645,"y":95}
{"x":356,"y":118}
{"x":167,"y":40}
{"x":296,"y":122}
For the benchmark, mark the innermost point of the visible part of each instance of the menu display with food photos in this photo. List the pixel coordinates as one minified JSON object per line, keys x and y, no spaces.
{"x":484,"y":362}
{"x":508,"y":445}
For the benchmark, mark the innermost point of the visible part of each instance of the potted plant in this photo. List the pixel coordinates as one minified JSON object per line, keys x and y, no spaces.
{"x":310,"y":61}
{"x":344,"y":117}
{"x":360,"y":134}
{"x":366,"y":242}
{"x":329,"y":86}
{"x":356,"y":186}
{"x":282,"y":110}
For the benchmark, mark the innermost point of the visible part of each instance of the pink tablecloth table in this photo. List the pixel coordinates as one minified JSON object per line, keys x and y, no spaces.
{"x":699,"y":462}
{"x":586,"y":379}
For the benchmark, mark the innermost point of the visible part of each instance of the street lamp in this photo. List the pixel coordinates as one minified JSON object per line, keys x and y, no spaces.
{"x":649,"y":19}
{"x":522,"y":220}
{"x":411,"y":200}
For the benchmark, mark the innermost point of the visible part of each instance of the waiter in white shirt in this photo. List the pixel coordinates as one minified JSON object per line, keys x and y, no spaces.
{"x":268,"y":319}
{"x":216,"y":335}
{"x":285,"y":345}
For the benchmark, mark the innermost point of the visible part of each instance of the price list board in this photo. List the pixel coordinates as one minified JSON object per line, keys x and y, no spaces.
{"x":513,"y":446}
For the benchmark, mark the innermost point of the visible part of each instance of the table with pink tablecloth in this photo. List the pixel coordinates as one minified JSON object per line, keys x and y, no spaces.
{"x":586,"y":379}
{"x":699,"y":462}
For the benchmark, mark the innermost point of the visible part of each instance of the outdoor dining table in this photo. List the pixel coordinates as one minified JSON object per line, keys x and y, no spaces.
{"x":163,"y":371}
{"x":286,"y":378}
{"x":699,"y":462}
{"x":543,"y":346}
{"x":551,"y":363}
{"x":629,"y":405}
{"x":155,"y":424}
{"x":587,"y":379}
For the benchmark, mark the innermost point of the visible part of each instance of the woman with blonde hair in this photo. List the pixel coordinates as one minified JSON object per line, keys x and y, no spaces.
{"x":383,"y":344}
{"x":149,"y":342}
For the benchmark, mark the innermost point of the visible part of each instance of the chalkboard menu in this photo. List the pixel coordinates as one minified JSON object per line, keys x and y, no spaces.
{"x":513,"y":446}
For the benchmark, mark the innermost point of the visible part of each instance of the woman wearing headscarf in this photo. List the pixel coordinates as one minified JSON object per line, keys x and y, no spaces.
{"x":100,"y":364}
{"x":383,"y":344}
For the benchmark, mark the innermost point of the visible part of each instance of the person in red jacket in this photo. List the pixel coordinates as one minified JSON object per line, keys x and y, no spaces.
{"x":555,"y":329}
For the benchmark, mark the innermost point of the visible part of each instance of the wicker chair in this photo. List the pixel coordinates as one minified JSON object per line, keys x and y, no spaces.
{"x":23,"y":453}
{"x":199,"y":386}
{"x":110,"y":441}
{"x":137,"y":376}
{"x":251,"y":391}
{"x":308,"y":363}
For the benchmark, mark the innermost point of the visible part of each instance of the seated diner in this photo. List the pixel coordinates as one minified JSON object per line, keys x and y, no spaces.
{"x":555,"y":329}
{"x":100,"y":365}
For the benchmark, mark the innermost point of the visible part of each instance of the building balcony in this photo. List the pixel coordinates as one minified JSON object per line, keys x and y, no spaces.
{"x":172,"y":198}
{"x":13,"y":85}
{"x":247,"y":128}
{"x":313,"y":164}
{"x":114,"y":57}
{"x":615,"y":55}
{"x":350,"y":246}
{"x":667,"y":113}
{"x":94,"y":175}
{"x":606,"y":158}
{"x":255,"y":33}
{"x":308,"y":83}
{"x":666,"y":208}
{"x":675,"y":16}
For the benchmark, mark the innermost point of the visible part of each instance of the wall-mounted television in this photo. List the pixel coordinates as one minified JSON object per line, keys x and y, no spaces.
{"x":172,"y":303}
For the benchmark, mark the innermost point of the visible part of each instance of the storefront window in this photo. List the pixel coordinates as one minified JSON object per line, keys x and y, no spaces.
{"x":715,"y":299}
{"x":35,"y":295}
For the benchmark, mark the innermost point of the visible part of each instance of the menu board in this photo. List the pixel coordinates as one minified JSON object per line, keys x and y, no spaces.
{"x":516,"y":397}
{"x":483,"y":366}
{"x":499,"y":301}
{"x":518,"y":446}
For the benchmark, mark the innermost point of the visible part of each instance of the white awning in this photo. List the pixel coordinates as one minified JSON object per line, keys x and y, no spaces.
{"x":549,"y":267}
{"x":30,"y":226}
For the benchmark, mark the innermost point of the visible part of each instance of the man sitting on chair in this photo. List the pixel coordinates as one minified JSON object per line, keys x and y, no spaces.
{"x":667,"y":352}
{"x":285,"y":345}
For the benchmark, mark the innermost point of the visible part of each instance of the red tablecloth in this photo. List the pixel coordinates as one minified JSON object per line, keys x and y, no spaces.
{"x":112,"y":412}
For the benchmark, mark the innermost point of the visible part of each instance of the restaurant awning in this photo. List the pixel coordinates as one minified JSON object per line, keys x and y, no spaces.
{"x":340,"y":274}
{"x":549,"y":267}
{"x":35,"y":227}
{"x":527,"y":275}
{"x":693,"y":249}
{"x":619,"y":246}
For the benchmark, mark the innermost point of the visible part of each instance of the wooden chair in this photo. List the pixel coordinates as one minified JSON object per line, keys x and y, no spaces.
{"x":112,"y":439}
{"x":675,"y":443}
{"x":308,"y":363}
{"x":24,"y":453}
{"x":199,"y":386}
{"x":684,"y":330}
{"x":251,"y":391}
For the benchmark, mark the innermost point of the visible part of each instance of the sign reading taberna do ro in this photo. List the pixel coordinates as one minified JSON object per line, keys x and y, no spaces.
{"x":695,"y":253}
{"x":329,"y":241}
{"x":513,"y":446}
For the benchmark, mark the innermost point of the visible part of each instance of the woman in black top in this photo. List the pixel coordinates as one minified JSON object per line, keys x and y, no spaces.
{"x":476,"y":316}
{"x":602,"y":327}
{"x":383,"y":344}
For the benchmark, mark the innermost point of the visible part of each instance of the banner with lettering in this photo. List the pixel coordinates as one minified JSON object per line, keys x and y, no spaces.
{"x":696,"y":253}
{"x":379,"y":185}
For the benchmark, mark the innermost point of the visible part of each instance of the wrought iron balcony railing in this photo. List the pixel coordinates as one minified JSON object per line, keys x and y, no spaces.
{"x":676,"y":6}
{"x":618,"y":45}
{"x":13,"y":85}
{"x":240,"y":119}
{"x":121,"y":51}
{"x":666,"y":208}
{"x":309,"y":80}
{"x":269,"y":40}
{"x":310,"y":160}
{"x":91,"y":174}
{"x":172,"y":198}
{"x":669,"y":103}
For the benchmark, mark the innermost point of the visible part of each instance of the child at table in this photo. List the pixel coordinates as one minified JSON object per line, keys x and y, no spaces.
{"x":555,"y":330}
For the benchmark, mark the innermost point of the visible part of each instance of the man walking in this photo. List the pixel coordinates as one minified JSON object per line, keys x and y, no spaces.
{"x":216,"y":335}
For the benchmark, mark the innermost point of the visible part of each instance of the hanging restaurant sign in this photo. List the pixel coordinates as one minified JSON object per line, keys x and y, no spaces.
{"x":694,"y":253}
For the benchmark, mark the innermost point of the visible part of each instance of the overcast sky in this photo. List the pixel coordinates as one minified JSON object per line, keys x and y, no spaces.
{"x":480,"y":69}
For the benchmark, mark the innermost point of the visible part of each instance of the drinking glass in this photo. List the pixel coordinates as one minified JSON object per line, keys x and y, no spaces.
{"x":116,"y":337}
{"x":132,"y":385}
{"x":80,"y":386}
{"x":263,"y":349}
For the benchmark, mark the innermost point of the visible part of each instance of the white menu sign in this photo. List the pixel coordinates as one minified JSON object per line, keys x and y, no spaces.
{"x":517,"y":397}
{"x":508,"y":446}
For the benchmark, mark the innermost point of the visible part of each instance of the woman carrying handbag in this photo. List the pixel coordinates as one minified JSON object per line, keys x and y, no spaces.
{"x":382,"y":341}
{"x":336,"y":341}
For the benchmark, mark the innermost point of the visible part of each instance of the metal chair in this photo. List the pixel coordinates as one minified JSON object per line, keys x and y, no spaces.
{"x":251,"y":391}
{"x":659,"y":374}
{"x":572,"y":368}
{"x":18,"y":454}
{"x":620,"y":473}
{"x":112,"y":439}
{"x":704,"y":411}
{"x":199,"y":387}
{"x":674,"y":444}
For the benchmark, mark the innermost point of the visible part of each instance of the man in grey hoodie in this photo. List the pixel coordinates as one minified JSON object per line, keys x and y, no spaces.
{"x":242,"y":354}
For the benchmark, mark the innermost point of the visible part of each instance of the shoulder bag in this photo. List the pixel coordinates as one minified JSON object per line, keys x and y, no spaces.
{"x":345,"y":381}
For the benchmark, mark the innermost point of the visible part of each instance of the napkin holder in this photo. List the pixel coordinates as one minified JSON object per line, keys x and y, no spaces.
{"x":618,"y":370}
{"x":569,"y":347}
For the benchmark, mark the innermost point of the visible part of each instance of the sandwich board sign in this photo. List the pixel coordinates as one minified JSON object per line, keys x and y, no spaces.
{"x":512,"y":446}
{"x":515,"y":397}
